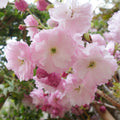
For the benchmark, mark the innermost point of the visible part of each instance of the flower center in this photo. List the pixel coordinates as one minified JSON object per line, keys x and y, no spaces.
{"x":77,"y":89}
{"x":92,"y":64}
{"x":53,"y":50}
{"x":21,"y":61}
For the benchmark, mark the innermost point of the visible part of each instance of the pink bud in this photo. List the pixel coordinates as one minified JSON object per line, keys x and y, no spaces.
{"x":21,"y":5}
{"x":54,"y":79}
{"x":37,"y":107}
{"x":21,"y":27}
{"x":41,"y":5}
{"x":76,"y":110}
{"x":103,"y":108}
{"x":97,"y":96}
{"x":64,"y":75}
{"x":87,"y":107}
{"x":109,"y":84}
{"x":41,"y":73}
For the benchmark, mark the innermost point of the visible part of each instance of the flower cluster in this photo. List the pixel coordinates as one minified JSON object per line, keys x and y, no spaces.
{"x":68,"y":66}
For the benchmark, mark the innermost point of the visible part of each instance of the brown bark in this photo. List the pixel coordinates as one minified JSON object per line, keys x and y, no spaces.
{"x":108,"y":98}
{"x":106,"y":115}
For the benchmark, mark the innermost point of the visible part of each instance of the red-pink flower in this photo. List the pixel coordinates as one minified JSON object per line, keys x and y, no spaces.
{"x":21,"y":5}
{"x":42,"y":4}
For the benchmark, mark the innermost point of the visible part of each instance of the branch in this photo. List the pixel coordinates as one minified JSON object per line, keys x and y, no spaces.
{"x":1,"y":79}
{"x":5,"y":98}
{"x":108,"y":98}
{"x":106,"y":115}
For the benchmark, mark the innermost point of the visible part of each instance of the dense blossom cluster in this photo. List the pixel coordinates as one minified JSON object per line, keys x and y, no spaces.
{"x":68,"y":67}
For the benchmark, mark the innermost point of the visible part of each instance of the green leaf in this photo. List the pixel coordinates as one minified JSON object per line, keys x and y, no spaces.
{"x":2,"y":100}
{"x":2,"y":86}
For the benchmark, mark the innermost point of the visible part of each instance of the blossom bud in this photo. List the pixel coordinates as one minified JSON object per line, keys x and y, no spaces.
{"x":103,"y":108}
{"x":109,"y":84}
{"x":21,"y":27}
{"x":21,"y":5}
{"x":41,"y":73}
{"x":42,"y":5}
{"x":87,"y":38}
{"x":76,"y":110}
{"x":87,"y":107}
{"x":64,"y":75}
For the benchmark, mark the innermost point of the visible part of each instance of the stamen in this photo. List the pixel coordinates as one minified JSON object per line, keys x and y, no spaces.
{"x":21,"y":61}
{"x":92,"y":64}
{"x":53,"y":50}
{"x":77,"y":89}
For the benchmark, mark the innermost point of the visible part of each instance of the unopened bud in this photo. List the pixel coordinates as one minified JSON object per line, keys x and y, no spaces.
{"x":86,"y":37}
{"x":103,"y":108}
{"x":64,"y":75}
{"x":21,"y":27}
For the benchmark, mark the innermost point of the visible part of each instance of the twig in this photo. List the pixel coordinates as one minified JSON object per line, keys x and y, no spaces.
{"x":1,"y":79}
{"x":106,"y":115}
{"x":5,"y":98}
{"x":115,"y":78}
{"x":108,"y":98}
{"x":105,"y":104}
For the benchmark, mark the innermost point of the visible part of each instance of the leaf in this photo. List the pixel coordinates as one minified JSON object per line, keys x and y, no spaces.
{"x":2,"y":86}
{"x":2,"y":100}
{"x":5,"y":91}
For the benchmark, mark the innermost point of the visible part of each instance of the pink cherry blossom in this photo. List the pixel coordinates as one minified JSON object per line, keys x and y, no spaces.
{"x":32,"y":25}
{"x":72,"y":16}
{"x":42,"y":4}
{"x":114,"y":22}
{"x":58,"y":98}
{"x":60,"y":12}
{"x":110,"y":47}
{"x":18,"y":55}
{"x":114,"y":26}
{"x":21,"y":5}
{"x":3,"y":3}
{"x":79,"y":92}
{"x":97,"y":38}
{"x":57,"y":104}
{"x":109,"y":36}
{"x":39,"y":97}
{"x":95,"y":65}
{"x":117,"y":55}
{"x":52,"y":23}
{"x":53,"y":52}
